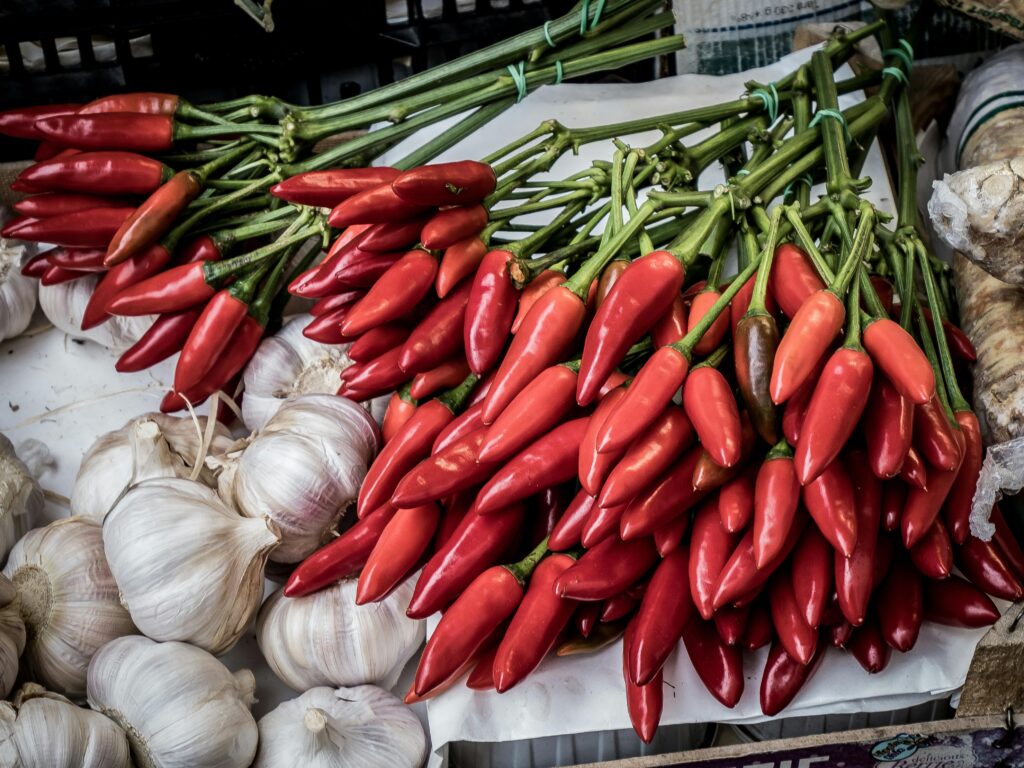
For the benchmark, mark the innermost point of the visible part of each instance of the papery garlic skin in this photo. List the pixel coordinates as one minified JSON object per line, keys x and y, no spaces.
{"x":12,"y":636}
{"x":188,"y":567}
{"x":360,"y":727}
{"x":180,"y":707}
{"x":68,"y":601}
{"x":21,"y":499}
{"x":64,"y":305}
{"x":326,"y":639}
{"x":302,"y":470}
{"x":17,"y":292}
{"x":44,"y":729}
{"x":148,"y":446}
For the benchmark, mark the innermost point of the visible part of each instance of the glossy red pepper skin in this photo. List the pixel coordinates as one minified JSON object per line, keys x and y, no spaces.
{"x":151,"y":220}
{"x":547,"y":509}
{"x":956,"y":602}
{"x":648,"y":457}
{"x":1006,"y":543}
{"x":342,"y":557}
{"x":376,"y":205}
{"x":671,"y":326}
{"x":664,"y":501}
{"x":923,"y":506}
{"x":609,"y":276}
{"x":539,"y":407}
{"x":326,"y":326}
{"x":394,"y":294}
{"x":759,"y":630}
{"x":815,"y":325}
{"x":714,"y":336}
{"x":798,"y":637}
{"x":492,"y":307}
{"x":145,"y":102}
{"x":795,"y":410}
{"x":438,"y":336}
{"x":392,"y":235}
{"x":898,"y":356}
{"x":121,"y":276}
{"x":730,"y":622}
{"x":464,"y":182}
{"x":546,"y":281}
{"x":325,"y":189}
{"x":58,"y":203}
{"x":736,"y":500}
{"x":776,"y":498}
{"x":793,"y":279}
{"x":933,"y":554}
{"x":607,"y":569}
{"x":481,"y":678}
{"x":10,"y":229}
{"x":829,"y":498}
{"x":755,"y":340}
{"x":641,"y":295}
{"x":855,"y":574}
{"x":99,"y":173}
{"x":913,"y":472}
{"x":401,"y":545}
{"x":445,"y":376}
{"x":378,"y":340}
{"x":165,"y":337}
{"x":569,"y":528}
{"x":81,"y":229}
{"x":834,"y":411}
{"x":888,"y":428}
{"x":711,"y":546}
{"x":985,"y":567}
{"x":595,"y":467}
{"x":643,"y":702}
{"x":117,"y":131}
{"x":453,"y":469}
{"x":20,"y":123}
{"x":364,"y":381}
{"x":650,"y":393}
{"x":740,"y":576}
{"x":460,"y":260}
{"x":453,"y":512}
{"x":38,"y":265}
{"x":57,"y":275}
{"x":812,"y":569}
{"x":80,"y":259}
{"x":900,"y":606}
{"x":322,"y":280}
{"x":670,"y":536}
{"x":476,"y":544}
{"x":462,"y":425}
{"x":933,"y":436}
{"x":618,"y":607}
{"x":208,"y":339}
{"x":894,"y":496}
{"x":449,"y":226}
{"x":718,"y":665}
{"x":400,"y":409}
{"x":712,"y":409}
{"x":173,"y":289}
{"x":602,"y":523}
{"x":957,"y":508}
{"x":783,"y":678}
{"x":869,"y":648}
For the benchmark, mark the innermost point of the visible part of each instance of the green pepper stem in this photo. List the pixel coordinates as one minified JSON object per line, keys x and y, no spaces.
{"x":524,"y":567}
{"x":454,"y":399}
{"x":757,"y":301}
{"x":956,"y":398}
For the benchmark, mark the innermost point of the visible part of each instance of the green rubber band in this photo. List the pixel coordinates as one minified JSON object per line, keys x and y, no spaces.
{"x":896,"y":72}
{"x":519,"y":78}
{"x":770,"y":99}
{"x":547,"y":33}
{"x":906,"y":58}
{"x":585,"y":11}
{"x":806,"y":179}
{"x":906,"y":46}
{"x":834,"y":114}
{"x":743,"y":172}
{"x":558,"y":73}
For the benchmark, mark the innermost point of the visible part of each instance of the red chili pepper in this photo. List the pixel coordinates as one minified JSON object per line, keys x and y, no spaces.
{"x":668,"y":498}
{"x":709,"y":475}
{"x":759,"y":630}
{"x":957,"y":340}
{"x":534,"y":290}
{"x":855,"y":574}
{"x":151,"y":220}
{"x":957,"y":509}
{"x":736,"y":500}
{"x":393,"y":235}
{"x":776,"y":498}
{"x":671,"y":326}
{"x":711,"y":545}
{"x":1006,"y":542}
{"x":793,"y":279}
{"x":438,"y":336}
{"x":400,"y":409}
{"x":325,"y":189}
{"x":208,"y":339}
{"x":730,"y":623}
{"x":401,"y":545}
{"x":364,"y":381}
{"x":913,"y":471}
{"x":933,"y":436}
{"x":933,"y":554}
{"x":58,"y":203}
{"x":812,"y":567}
{"x":669,"y":537}
{"x":460,"y":183}
{"x":956,"y":602}
{"x":10,"y":229}
{"x":595,"y":467}
{"x":460,"y":260}
{"x":609,"y":276}
{"x":461,"y":426}
{"x":740,"y":576}
{"x":122,"y":131}
{"x":492,"y":306}
{"x":643,"y":702}
{"x":476,"y":544}
{"x":481,"y":678}
{"x":567,"y":531}
{"x":888,"y":428}
{"x":712,"y":409}
{"x":869,"y":648}
{"x":57,"y":275}
{"x":453,"y":511}
{"x":394,"y":294}
{"x":755,"y":339}
{"x":886,"y":293}
{"x":642,"y":294}
{"x":146,"y":102}
{"x":378,"y":340}
{"x":900,"y":606}
{"x":716,"y":334}
{"x":536,"y":625}
{"x":602,"y":523}
{"x":900,"y":359}
{"x":453,"y":469}
{"x":323,"y":280}
{"x":21,"y":123}
{"x":829,"y":499}
{"x":885,"y":553}
{"x":984,"y":566}
{"x":894,"y":495}
{"x":81,"y":229}
{"x":607,"y":569}
{"x":79,"y":259}
{"x":376,"y":205}
{"x":795,"y":410}
{"x":547,"y":509}
{"x":444,"y":376}
{"x":120,"y":277}
{"x":100,"y":173}
{"x":923,"y":505}
{"x":38,"y":265}
{"x":342,"y":557}
{"x":797,"y":636}
{"x":174,"y":289}
{"x":783,"y":678}
{"x":813,"y":328}
{"x":327,"y":327}
{"x":618,"y":607}
{"x":450,"y":225}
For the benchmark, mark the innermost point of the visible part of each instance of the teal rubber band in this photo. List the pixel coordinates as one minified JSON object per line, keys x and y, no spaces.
{"x":896,"y":72}
{"x":743,"y":172}
{"x":558,"y":73}
{"x":585,"y":11}
{"x":834,"y":114}
{"x":519,"y":78}
{"x":905,"y":44}
{"x":906,"y":58}
{"x":547,"y":33}
{"x":770,"y":99}
{"x":806,"y":179}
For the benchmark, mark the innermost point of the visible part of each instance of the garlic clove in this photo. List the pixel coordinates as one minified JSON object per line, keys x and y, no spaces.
{"x":21,"y":499}
{"x":17,"y":292}
{"x":68,"y":601}
{"x":12,"y":635}
{"x":180,"y":706}
{"x":188,"y":567}
{"x":64,"y":305}
{"x":359,"y":727}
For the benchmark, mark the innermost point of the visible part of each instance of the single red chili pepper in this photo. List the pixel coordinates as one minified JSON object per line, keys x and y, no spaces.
{"x":569,"y":528}
{"x":1006,"y":542}
{"x":709,"y":475}
{"x":489,"y":315}
{"x":829,"y":499}
{"x":165,"y":337}
{"x":711,"y":546}
{"x":957,"y":340}
{"x":57,"y":275}
{"x":736,"y":500}
{"x":730,"y":623}
{"x":394,"y":294}
{"x":376,"y":205}
{"x":888,"y":428}
{"x":460,"y":183}
{"x":151,"y":220}
{"x":120,"y":277}
{"x":813,"y":328}
{"x":712,"y":409}
{"x":551,"y":460}
{"x":957,"y":508}
{"x":894,"y":495}
{"x":602,"y":523}
{"x":933,"y":554}
{"x":58,"y":203}
{"x":450,"y":225}
{"x":453,"y":469}
{"x":448,"y":374}
{"x":81,"y":229}
{"x":933,"y":436}
{"x":740,"y":576}
{"x":99,"y":173}
{"x":609,"y":276}
{"x":585,"y":617}
{"x":716,"y":334}
{"x":365,"y":272}
{"x":755,"y":339}
{"x":481,"y":678}
{"x":641,"y":295}
{"x":326,"y":329}
{"x":595,"y":467}
{"x":438,"y":336}
{"x":668,"y":498}
{"x":393,"y":235}
{"x":776,"y":498}
{"x":401,"y":545}
{"x":793,"y":279}
{"x":377,"y":341}
{"x":783,"y":678}
{"x":984,"y":566}
{"x":759,"y":630}
{"x":812,"y":568}
{"x":923,"y":506}
{"x":643,"y":702}
{"x":670,"y":536}
{"x":325,"y":189}
{"x":21,"y":123}
{"x":10,"y":229}
{"x":618,"y":607}
{"x":795,"y":410}
{"x":460,"y":260}
{"x":869,"y":648}
{"x":208,"y":339}
{"x":401,"y":407}
{"x":671,"y":326}
{"x":900,"y":358}
{"x":607,"y":569}
{"x":342,"y":557}
{"x":547,"y":509}
{"x":840,"y":634}
{"x":79,"y":259}
{"x":900,"y":606}
{"x":913,"y":471}
{"x":328,"y":304}
{"x":648,"y":457}
{"x":855,"y":574}
{"x":322,"y":280}
{"x":122,"y":131}
{"x":145,"y":102}
{"x":476,"y":544}
{"x":955,"y":602}
{"x":453,"y":511}
{"x":38,"y":265}
{"x":462,"y":425}
{"x":364,"y":381}
{"x":174,"y":289}
{"x":534,"y":290}
{"x":797,"y":636}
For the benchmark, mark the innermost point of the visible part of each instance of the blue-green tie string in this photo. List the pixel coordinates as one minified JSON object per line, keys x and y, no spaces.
{"x":896,"y":72}
{"x":770,"y":99}
{"x":558,"y":72}
{"x":806,"y":179}
{"x":833,"y":114}
{"x":902,"y":55}
{"x":519,"y":78}
{"x":585,"y":11}
{"x":547,"y":33}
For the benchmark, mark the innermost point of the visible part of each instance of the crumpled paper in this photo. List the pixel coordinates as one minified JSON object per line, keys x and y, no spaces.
{"x":1002,"y":473}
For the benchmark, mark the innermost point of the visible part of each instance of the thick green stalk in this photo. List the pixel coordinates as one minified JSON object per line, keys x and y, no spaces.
{"x":956,"y":398}
{"x":757,"y":300}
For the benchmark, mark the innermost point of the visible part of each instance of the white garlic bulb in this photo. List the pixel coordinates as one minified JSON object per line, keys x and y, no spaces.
{"x":68,"y":601}
{"x":12,"y":636}
{"x":40,"y":728}
{"x":360,"y":727}
{"x":150,"y":445}
{"x":64,"y":305}
{"x":302,"y":470}
{"x":21,"y":500}
{"x":17,"y":292}
{"x":326,"y":639}
{"x":180,"y":706}
{"x":188,"y":567}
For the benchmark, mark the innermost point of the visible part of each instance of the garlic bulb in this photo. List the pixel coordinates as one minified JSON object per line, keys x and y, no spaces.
{"x":68,"y":601}
{"x":17,"y":292}
{"x":44,"y":729}
{"x":302,"y":470}
{"x":21,"y":500}
{"x":151,"y":445}
{"x":180,"y":706}
{"x":12,"y":636}
{"x":361,"y":727}
{"x":326,"y":639}
{"x":189,"y":568}
{"x":64,"y":306}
